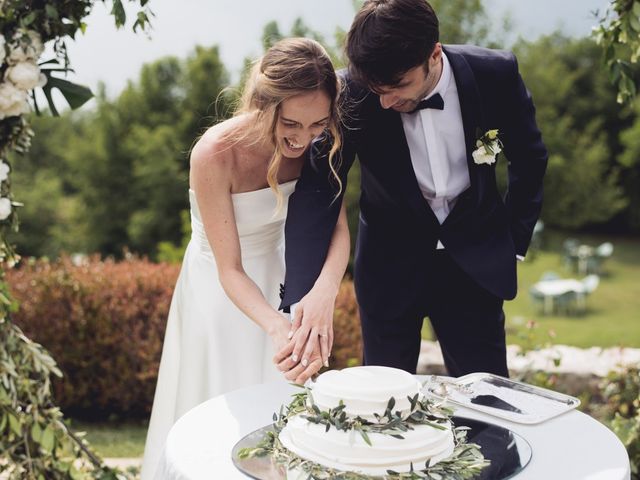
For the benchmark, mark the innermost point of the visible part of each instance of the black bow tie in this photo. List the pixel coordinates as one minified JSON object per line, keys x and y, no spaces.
{"x":435,"y":101}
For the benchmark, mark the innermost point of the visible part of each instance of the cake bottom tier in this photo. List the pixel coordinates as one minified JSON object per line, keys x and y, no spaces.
{"x":348,"y":451}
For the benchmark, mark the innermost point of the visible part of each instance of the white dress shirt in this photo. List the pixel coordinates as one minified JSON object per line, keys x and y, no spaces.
{"x":437,"y":147}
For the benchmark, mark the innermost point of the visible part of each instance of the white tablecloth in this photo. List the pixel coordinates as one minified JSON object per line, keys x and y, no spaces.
{"x":559,"y":286}
{"x":572,"y":446}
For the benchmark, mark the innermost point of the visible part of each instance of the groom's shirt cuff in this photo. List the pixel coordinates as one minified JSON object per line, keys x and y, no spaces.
{"x":292,"y":311}
{"x":520,"y":258}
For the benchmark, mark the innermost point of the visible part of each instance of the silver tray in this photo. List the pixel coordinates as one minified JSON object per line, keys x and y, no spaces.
{"x":498,"y":396}
{"x":508,"y":452}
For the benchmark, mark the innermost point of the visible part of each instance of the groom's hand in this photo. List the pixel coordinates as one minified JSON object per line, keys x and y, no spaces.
{"x":313,"y":322}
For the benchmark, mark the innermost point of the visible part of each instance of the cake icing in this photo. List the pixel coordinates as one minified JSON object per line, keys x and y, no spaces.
{"x":347,"y":451}
{"x":365,"y":392}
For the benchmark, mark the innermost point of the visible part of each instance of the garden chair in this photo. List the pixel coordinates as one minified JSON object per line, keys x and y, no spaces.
{"x":567,"y":303}
{"x":602,"y":252}
{"x":538,"y":299}
{"x":546,"y":304}
{"x":569,"y":253}
{"x":589,"y":285}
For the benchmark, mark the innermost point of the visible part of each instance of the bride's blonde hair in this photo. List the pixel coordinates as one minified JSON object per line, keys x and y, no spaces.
{"x":290,"y":67}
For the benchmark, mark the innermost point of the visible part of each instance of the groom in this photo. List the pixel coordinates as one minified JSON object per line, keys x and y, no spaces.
{"x":435,"y":237}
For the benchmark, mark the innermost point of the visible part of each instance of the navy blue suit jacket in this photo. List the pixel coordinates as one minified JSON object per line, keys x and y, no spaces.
{"x":397,"y":228}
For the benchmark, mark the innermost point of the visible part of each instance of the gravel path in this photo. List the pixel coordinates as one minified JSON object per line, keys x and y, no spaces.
{"x":588,"y":361}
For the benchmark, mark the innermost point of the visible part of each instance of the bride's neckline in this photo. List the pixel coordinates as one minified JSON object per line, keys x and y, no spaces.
{"x":260,"y":189}
{"x":266,"y":188}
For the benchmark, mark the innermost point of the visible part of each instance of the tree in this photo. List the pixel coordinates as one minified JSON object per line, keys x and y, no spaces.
{"x":160,"y":181}
{"x":580,"y":122}
{"x":618,"y":33}
{"x":123,"y":167}
{"x":206,"y":99}
{"x":270,"y":35}
{"x":462,"y":21}
{"x":629,"y":160}
{"x":44,"y":184}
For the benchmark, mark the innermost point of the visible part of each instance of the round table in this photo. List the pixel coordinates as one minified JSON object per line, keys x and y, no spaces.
{"x":572,"y":446}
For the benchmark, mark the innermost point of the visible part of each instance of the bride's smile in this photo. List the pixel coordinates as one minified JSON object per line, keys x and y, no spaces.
{"x":302,"y":118}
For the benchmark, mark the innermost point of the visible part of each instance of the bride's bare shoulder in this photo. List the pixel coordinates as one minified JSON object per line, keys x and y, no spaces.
{"x":216,"y":148}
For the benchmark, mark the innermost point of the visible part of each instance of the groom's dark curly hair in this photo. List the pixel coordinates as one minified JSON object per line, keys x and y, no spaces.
{"x":388,"y":38}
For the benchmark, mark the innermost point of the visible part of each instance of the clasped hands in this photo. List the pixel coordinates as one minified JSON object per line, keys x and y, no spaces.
{"x":309,"y":340}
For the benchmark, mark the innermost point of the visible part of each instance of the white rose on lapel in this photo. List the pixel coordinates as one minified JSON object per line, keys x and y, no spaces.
{"x":489,"y":146}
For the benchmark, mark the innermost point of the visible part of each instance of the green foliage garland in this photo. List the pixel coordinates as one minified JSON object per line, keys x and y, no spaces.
{"x":465,"y":462}
{"x":35,"y":442}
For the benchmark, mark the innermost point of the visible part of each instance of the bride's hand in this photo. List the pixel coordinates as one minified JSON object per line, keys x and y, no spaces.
{"x":296,"y":371}
{"x":313,"y":322}
{"x":279,"y":334}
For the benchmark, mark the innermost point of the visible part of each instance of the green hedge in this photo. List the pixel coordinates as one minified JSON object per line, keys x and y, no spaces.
{"x":104,"y":322}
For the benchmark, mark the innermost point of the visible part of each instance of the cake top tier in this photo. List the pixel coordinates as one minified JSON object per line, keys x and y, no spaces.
{"x":365,"y":390}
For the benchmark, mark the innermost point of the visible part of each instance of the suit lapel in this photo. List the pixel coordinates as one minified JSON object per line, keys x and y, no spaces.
{"x":406,"y":177}
{"x":470,"y":107}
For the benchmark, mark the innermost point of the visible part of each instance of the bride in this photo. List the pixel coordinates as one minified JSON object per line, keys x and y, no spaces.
{"x":224,"y":328}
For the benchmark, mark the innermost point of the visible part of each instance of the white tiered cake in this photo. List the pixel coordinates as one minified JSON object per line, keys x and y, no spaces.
{"x":365,"y":392}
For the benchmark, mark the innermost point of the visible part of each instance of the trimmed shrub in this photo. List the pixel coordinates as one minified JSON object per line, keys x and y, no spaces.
{"x":347,"y":342}
{"x":103,"y":322}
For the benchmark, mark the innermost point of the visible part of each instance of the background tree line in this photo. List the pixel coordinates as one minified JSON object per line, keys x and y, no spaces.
{"x":115,"y":178}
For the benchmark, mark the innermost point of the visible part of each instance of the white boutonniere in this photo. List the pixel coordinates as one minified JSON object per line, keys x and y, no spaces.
{"x":489,"y":146}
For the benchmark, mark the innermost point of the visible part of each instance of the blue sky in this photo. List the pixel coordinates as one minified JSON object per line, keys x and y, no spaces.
{"x":115,"y":56}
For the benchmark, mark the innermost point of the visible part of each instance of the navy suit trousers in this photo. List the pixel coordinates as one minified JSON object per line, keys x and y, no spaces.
{"x":468,"y":322}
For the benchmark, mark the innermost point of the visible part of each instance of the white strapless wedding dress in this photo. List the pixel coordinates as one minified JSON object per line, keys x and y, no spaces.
{"x":210,"y":346}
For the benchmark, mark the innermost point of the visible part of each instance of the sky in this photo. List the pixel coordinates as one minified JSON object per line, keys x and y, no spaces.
{"x":112,"y":56}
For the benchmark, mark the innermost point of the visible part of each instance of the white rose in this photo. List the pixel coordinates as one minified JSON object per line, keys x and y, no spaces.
{"x":3,"y":52}
{"x":481,"y":156}
{"x":25,"y":75}
{"x":26,"y":45}
{"x":4,"y":171}
{"x":13,"y":101}
{"x":5,"y":208}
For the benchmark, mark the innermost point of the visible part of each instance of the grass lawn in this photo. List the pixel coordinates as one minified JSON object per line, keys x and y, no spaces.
{"x":612,"y":317}
{"x":114,"y":439}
